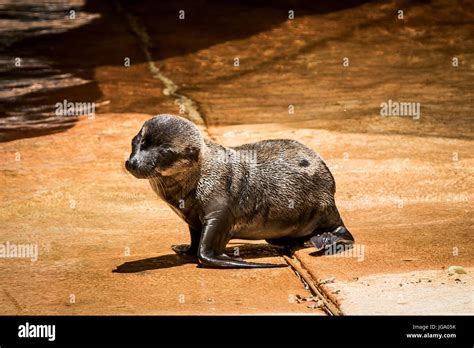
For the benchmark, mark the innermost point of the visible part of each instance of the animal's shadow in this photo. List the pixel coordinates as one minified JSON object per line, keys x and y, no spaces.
{"x":245,"y":251}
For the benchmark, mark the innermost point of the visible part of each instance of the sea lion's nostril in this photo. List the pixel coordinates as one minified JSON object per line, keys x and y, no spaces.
{"x":131,"y":164}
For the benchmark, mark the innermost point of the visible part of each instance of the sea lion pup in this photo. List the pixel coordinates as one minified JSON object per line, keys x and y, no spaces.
{"x":277,"y":190}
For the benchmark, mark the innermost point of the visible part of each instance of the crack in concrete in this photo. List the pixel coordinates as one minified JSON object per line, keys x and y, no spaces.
{"x":171,"y":89}
{"x":13,"y":300}
{"x":305,"y":277}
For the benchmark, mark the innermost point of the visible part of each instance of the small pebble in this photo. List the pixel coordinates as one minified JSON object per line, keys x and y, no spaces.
{"x":328,"y":280}
{"x":456,"y":269}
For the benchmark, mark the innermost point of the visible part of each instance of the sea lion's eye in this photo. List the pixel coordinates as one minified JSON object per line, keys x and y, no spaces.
{"x":165,"y":149}
{"x":145,"y":143}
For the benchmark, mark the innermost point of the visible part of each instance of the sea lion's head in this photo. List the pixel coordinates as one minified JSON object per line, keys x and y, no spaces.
{"x":165,"y":145}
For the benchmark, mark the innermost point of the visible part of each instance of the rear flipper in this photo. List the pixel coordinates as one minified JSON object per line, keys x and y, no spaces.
{"x":333,"y":242}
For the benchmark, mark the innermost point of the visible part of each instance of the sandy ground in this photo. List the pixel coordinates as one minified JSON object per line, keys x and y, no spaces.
{"x":404,"y":185}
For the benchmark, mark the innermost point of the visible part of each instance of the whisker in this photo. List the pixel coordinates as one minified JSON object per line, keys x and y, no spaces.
{"x":156,"y":178}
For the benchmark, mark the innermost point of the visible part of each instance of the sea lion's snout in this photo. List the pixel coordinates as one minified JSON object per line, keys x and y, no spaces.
{"x":128,"y":165}
{"x":132,"y":165}
{"x":138,"y":169}
{"x":141,"y":163}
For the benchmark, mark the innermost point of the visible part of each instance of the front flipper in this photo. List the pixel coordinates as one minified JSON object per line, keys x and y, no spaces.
{"x":215,"y":235}
{"x":184,"y":249}
{"x":224,"y":261}
{"x":189,"y":250}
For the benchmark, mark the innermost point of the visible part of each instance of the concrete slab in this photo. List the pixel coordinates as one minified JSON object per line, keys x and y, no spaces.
{"x":412,"y":293}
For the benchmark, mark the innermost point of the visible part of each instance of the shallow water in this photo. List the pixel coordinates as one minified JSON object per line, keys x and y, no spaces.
{"x":27,"y":77}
